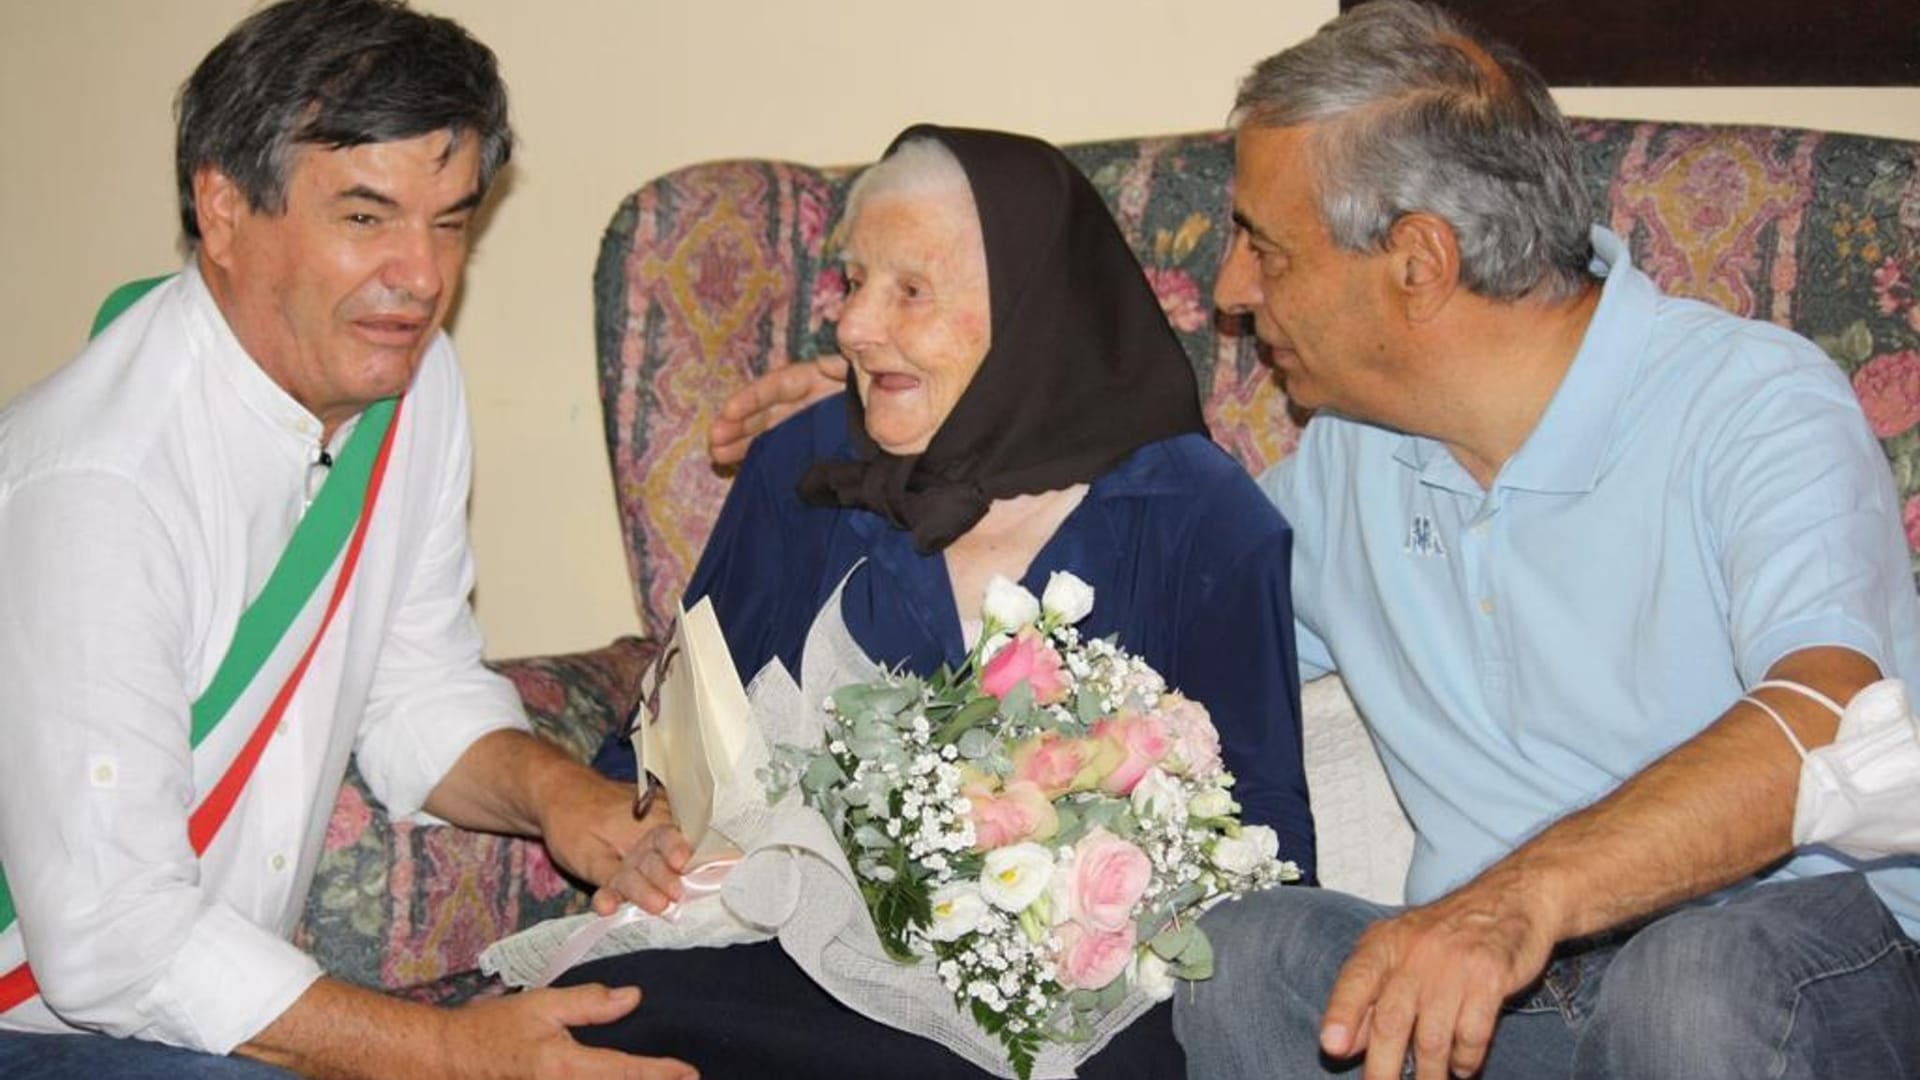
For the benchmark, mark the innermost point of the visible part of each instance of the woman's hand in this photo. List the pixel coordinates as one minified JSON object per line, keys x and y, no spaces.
{"x":769,"y":399}
{"x":649,"y":872}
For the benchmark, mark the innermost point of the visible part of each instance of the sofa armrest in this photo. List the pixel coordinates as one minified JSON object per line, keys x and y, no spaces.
{"x":409,"y":908}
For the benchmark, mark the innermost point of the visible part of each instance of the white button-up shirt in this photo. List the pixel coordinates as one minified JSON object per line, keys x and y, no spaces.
{"x":147,"y":490}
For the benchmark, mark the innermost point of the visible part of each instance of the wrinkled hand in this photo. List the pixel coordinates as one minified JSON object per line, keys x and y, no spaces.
{"x":768,"y":400}
{"x":1432,"y":981}
{"x":591,"y":831}
{"x":525,"y":1035}
{"x":649,"y":872}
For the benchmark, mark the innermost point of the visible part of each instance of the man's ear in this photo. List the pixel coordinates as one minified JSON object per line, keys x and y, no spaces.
{"x":1426,"y":262}
{"x":218,"y":205}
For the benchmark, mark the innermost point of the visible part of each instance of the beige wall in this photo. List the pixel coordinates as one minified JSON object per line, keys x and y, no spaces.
{"x":608,"y":93}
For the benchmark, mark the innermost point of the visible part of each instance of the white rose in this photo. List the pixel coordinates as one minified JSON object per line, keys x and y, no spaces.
{"x":957,"y":911}
{"x":1256,"y":846}
{"x":1008,"y":605}
{"x":1067,"y":597}
{"x":1151,"y":976}
{"x":1212,"y":803}
{"x":1157,"y":795}
{"x":1016,"y":875}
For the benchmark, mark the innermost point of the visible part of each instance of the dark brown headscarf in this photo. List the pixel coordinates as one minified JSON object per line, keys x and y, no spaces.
{"x":1082,"y":370}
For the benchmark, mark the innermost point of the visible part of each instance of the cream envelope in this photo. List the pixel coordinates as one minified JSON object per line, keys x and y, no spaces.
{"x":692,"y":724}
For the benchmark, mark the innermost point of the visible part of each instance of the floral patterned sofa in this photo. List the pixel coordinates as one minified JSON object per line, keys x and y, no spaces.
{"x":714,"y":273}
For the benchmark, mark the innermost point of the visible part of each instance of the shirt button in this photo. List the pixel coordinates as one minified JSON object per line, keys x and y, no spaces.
{"x":278,"y":862}
{"x":1486,"y":605}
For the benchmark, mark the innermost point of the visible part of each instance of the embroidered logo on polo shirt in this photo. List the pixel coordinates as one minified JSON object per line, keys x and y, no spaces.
{"x":1424,"y":539}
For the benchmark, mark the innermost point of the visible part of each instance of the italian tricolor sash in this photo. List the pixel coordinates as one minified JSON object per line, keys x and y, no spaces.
{"x":265,"y":655}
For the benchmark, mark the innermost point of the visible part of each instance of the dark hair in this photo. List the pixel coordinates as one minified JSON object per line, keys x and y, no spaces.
{"x":1417,"y":112}
{"x":332,"y":73}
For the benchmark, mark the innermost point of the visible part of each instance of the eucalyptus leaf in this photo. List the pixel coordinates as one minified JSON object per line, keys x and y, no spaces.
{"x":975,"y":743}
{"x":1198,"y":952}
{"x":1017,"y":705}
{"x":1172,"y":941}
{"x":822,"y":773}
{"x":1086,"y":707}
{"x":1195,"y":961}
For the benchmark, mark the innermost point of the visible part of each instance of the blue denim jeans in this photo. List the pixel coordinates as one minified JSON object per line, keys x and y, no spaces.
{"x":1799,"y":979}
{"x":98,"y":1057}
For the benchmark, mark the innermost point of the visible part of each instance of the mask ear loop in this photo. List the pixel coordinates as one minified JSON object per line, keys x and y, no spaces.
{"x":1803,"y":691}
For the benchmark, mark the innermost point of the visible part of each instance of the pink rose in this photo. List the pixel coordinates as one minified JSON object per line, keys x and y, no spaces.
{"x":1196,"y":743}
{"x":1021,"y":812}
{"x":1106,"y":880}
{"x":1026,"y":659}
{"x":1911,"y":516}
{"x":1144,"y":741}
{"x":1889,"y":391}
{"x":1088,"y":959}
{"x":1059,"y":765}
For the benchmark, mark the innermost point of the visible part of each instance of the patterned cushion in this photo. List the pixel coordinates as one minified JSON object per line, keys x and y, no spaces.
{"x":712,"y":274}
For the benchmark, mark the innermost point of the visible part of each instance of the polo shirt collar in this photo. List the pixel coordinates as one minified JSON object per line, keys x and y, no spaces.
{"x":1566,"y":452}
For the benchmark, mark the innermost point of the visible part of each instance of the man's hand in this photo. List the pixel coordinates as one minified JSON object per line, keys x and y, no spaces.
{"x":512,"y":782}
{"x":525,"y":1035}
{"x":336,"y":1031}
{"x":589,"y":827}
{"x":768,"y":400}
{"x":1432,"y":981}
{"x":1714,"y":810}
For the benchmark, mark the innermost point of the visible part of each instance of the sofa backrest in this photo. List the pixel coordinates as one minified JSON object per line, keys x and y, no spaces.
{"x":712,"y":274}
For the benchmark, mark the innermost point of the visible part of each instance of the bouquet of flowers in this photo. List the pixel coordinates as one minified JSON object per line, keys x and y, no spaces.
{"x":1043,"y":825}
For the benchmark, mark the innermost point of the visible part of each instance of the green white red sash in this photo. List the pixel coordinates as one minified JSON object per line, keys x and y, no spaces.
{"x":266,"y":654}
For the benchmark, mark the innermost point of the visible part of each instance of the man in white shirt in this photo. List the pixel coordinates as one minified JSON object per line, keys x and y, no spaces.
{"x":229,"y":558}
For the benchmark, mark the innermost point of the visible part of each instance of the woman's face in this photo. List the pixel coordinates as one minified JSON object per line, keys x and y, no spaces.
{"x":916,"y":323}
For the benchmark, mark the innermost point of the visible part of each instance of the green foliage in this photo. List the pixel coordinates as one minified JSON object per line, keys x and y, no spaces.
{"x":898,"y":906}
{"x":1022,"y":1046}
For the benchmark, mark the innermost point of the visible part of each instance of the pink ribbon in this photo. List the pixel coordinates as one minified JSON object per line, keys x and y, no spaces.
{"x":702,"y":880}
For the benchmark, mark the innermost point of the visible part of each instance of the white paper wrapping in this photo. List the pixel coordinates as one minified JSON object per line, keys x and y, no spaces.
{"x":794,"y":883}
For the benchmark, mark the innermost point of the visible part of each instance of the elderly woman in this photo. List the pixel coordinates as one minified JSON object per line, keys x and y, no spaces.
{"x":1017,"y":405}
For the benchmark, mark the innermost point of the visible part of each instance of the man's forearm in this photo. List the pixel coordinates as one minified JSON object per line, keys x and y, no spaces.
{"x":502,"y":783}
{"x":1714,"y":810}
{"x":336,"y":1031}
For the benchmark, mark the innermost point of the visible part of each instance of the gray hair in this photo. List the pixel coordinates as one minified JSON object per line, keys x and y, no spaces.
{"x":921,"y":166}
{"x":332,"y":73}
{"x":1418,"y":113}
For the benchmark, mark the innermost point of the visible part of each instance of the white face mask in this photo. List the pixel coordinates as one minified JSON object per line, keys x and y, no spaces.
{"x":1860,"y":794}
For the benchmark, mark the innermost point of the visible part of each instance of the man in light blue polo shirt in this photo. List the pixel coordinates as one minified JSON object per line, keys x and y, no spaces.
{"x":1552,"y":527}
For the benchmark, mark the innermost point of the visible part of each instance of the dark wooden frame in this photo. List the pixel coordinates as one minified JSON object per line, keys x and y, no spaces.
{"x":1708,"y":42}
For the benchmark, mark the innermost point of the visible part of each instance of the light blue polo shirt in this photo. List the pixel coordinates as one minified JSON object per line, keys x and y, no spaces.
{"x":1700,"y":498}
